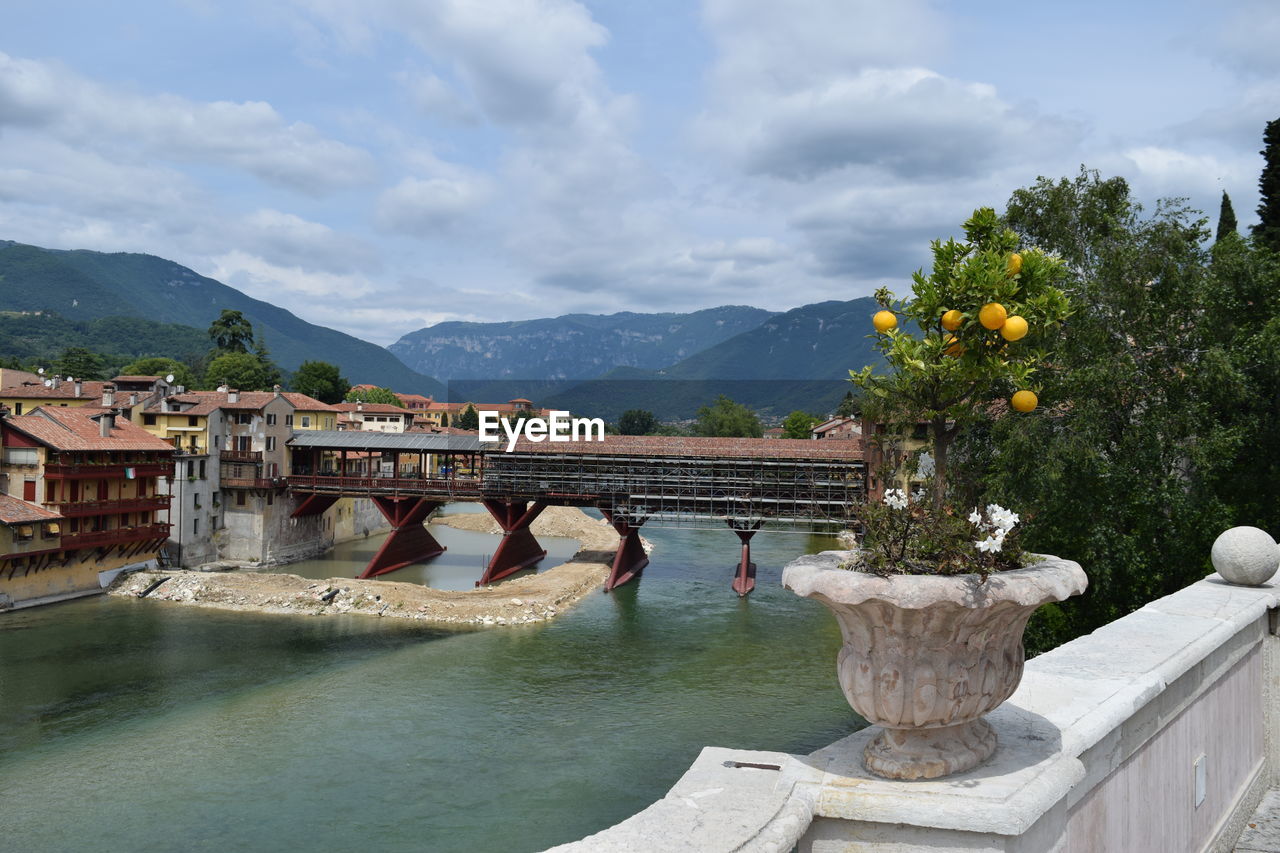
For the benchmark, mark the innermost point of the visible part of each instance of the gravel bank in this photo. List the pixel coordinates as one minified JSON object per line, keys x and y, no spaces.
{"x":533,"y":598}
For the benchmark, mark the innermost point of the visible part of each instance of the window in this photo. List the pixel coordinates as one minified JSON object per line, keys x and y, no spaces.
{"x":270,"y":497}
{"x":244,"y":418}
{"x":17,"y":408}
{"x":306,"y":421}
{"x":24,"y":533}
{"x":215,"y":441}
{"x":195,"y":526}
{"x":195,"y":500}
{"x":148,"y":420}
{"x":193,"y":420}
{"x":213,"y":522}
{"x":288,"y":420}
{"x":52,"y":530}
{"x":21,"y":456}
{"x":202,"y":469}
{"x":239,"y":498}
{"x":271,"y":443}
{"x":191,"y":469}
{"x":271,"y":420}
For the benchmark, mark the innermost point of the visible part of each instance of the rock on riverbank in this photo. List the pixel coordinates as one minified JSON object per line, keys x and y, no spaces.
{"x":533,"y":598}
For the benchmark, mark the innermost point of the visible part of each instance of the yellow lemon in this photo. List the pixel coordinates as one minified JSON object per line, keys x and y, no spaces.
{"x":992,"y":315}
{"x":1024,"y":401}
{"x":884,"y":321}
{"x":1014,"y":328}
{"x":952,"y":320}
{"x":953,"y":348}
{"x":1015,"y":264}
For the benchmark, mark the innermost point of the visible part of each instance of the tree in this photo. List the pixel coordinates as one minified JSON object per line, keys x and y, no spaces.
{"x":1267,"y":231}
{"x":243,"y":371}
{"x":381,"y":396}
{"x":850,"y":406}
{"x":231,"y":332}
{"x":637,"y":422}
{"x":79,"y":363}
{"x":469,"y":420}
{"x":320,"y":380}
{"x":726,"y":418}
{"x":800,"y":424}
{"x":272,"y":376}
{"x":160,"y":366}
{"x":973,"y":311}
{"x":1147,"y":457}
{"x":1226,"y":217}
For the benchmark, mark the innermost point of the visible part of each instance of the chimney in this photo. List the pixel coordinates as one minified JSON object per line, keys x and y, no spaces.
{"x":79,"y":385}
{"x":108,"y":395}
{"x":359,"y":406}
{"x":233,"y":395}
{"x":276,"y":388}
{"x":106,"y":423}
{"x":57,"y":380}
{"x":133,"y":400}
{"x":181,"y":389}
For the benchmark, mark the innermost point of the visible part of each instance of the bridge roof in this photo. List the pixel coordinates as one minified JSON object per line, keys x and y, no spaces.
{"x":698,"y":447}
{"x":413,"y":442}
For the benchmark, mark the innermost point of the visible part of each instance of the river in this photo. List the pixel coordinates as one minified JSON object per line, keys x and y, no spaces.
{"x":138,"y":725}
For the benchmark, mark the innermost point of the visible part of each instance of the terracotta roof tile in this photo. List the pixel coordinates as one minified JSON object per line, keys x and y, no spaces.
{"x":15,"y":511}
{"x":658,"y":445}
{"x":371,"y":408}
{"x":135,"y":379}
{"x":74,"y":428}
{"x":89,"y":390}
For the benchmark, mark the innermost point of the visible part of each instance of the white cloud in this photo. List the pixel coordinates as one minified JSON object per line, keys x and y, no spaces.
{"x":426,"y":207}
{"x":248,"y":136}
{"x":264,"y":280}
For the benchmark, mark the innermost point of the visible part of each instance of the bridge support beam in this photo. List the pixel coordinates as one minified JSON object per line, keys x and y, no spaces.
{"x":314,"y":504}
{"x":744,"y":578}
{"x":518,"y":549}
{"x":409,"y":542}
{"x":630,"y":559}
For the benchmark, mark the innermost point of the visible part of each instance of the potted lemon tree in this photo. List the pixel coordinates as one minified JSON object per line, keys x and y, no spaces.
{"x":933,"y":606}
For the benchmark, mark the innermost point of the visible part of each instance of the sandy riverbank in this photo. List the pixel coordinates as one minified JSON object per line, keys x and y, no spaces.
{"x":533,"y":598}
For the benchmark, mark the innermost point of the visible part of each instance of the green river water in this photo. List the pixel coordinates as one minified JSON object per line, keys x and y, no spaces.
{"x":139,"y":725}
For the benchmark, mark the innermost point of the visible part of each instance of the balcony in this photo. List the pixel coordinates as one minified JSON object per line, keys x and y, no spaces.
{"x":118,"y":536}
{"x":249,"y":456}
{"x":253,"y":482}
{"x":107,"y":472}
{"x":79,"y":509}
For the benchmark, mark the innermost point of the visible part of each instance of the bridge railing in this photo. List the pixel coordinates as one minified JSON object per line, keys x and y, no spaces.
{"x":384,"y":484}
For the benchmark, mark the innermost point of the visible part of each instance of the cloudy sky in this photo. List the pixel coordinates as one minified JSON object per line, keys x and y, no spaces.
{"x":384,"y":165}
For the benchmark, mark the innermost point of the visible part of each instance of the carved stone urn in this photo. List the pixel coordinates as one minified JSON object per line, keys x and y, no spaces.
{"x":925,"y":656}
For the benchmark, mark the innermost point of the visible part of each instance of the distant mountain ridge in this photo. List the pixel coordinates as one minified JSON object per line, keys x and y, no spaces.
{"x":572,"y":346}
{"x":799,"y":359}
{"x":83,"y":285}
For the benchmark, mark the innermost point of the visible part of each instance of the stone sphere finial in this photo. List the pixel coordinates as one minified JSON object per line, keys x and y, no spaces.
{"x":1246,"y":556}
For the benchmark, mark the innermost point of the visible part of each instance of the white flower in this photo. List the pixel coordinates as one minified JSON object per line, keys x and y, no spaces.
{"x":895,"y":499}
{"x":975,"y":517}
{"x":989,"y":545}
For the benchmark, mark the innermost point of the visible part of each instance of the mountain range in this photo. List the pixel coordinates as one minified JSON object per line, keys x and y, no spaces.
{"x":573,"y":346}
{"x":140,"y":305}
{"x":84,"y":287}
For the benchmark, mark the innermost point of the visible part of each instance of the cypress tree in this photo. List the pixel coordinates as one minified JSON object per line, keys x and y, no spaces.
{"x":1226,"y":218}
{"x":1267,"y":231}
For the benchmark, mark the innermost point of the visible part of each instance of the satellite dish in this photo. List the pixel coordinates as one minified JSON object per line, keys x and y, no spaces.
{"x":169,"y":378}
{"x":40,"y":370}
{"x":48,"y":383}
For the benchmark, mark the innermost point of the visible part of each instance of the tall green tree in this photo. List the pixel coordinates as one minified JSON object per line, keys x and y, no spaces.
{"x":728,"y":419}
{"x":264,"y":357}
{"x":382,"y":396}
{"x":243,"y":371}
{"x":320,"y":380}
{"x":637,"y":422}
{"x":800,"y":424}
{"x":1267,"y":231}
{"x":849,"y":407}
{"x":231,"y":332}
{"x":1226,"y":217}
{"x":79,"y":363}
{"x":160,"y":366}
{"x":470,"y":419}
{"x":1124,"y":473}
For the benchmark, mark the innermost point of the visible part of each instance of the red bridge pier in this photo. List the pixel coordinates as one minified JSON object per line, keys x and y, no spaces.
{"x":518,"y":549}
{"x":744,"y":578}
{"x":409,"y":542}
{"x":630,"y":559}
